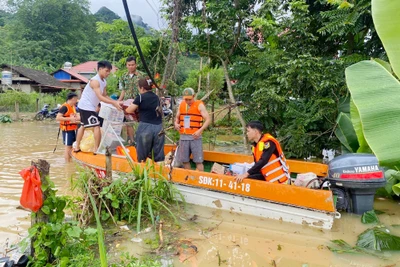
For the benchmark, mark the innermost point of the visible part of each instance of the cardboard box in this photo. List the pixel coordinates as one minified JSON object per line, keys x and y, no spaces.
{"x":218,"y":168}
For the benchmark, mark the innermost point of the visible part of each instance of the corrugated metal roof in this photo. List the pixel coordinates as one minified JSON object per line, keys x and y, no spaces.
{"x":75,"y":75}
{"x":40,"y":77}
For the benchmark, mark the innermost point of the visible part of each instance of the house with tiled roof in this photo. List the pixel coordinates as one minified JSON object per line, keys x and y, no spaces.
{"x":89,"y":69}
{"x":66,"y":75}
{"x":29,"y":80}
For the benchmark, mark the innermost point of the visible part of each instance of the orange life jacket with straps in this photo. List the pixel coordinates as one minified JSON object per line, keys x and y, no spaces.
{"x":276,"y":170}
{"x":67,"y":125}
{"x":196,"y":120}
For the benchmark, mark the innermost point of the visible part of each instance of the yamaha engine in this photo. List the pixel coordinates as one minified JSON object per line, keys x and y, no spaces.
{"x":355,"y":179}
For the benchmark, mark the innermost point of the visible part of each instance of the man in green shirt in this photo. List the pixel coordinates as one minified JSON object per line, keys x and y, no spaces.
{"x":129,"y":83}
{"x":129,"y":86}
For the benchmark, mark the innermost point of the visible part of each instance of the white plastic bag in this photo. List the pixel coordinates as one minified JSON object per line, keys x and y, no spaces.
{"x":175,"y":161}
{"x":303,"y":179}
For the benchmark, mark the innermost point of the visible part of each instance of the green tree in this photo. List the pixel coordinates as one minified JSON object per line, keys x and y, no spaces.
{"x":50,"y":32}
{"x":120,"y":44}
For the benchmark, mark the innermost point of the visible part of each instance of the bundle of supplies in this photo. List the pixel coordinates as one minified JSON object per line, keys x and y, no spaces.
{"x":87,"y":142}
{"x":308,"y":179}
{"x":240,"y":168}
{"x":111,"y":116}
{"x":130,"y":116}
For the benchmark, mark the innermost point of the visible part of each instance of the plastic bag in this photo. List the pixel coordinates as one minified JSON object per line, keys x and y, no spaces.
{"x":87,"y":143}
{"x":32,"y":196}
{"x":303,"y":179}
{"x":175,"y":161}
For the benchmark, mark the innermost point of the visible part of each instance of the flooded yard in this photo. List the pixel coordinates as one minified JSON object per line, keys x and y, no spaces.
{"x":221,"y":238}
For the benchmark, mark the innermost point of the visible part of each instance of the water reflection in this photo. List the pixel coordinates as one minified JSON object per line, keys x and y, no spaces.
{"x":220,"y":237}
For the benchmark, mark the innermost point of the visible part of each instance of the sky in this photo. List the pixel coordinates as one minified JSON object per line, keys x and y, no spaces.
{"x":147,"y":9}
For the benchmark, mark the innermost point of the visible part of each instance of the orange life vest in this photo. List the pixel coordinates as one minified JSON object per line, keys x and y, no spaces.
{"x":67,"y":125}
{"x":196,"y":120}
{"x":276,"y":170}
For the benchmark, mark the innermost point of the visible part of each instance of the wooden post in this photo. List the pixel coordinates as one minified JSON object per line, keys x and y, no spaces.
{"x":16,"y":110}
{"x":108,"y":163}
{"x":44,"y":171}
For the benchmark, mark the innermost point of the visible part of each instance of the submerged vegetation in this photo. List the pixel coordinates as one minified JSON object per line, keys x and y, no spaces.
{"x":372,"y":241}
{"x":5,"y":119}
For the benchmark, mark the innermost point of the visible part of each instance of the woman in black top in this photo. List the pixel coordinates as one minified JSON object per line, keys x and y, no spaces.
{"x":148,"y":142}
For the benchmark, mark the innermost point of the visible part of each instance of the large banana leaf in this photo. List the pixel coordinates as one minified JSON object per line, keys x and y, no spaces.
{"x":345,"y":133}
{"x":385,"y":64}
{"x":376,"y":96}
{"x":357,"y":124}
{"x":378,"y":239}
{"x":385,"y":14}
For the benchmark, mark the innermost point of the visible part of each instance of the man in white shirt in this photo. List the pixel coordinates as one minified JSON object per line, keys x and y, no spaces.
{"x":94,"y":92}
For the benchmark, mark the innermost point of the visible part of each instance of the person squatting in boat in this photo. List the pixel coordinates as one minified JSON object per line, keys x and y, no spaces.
{"x":270,"y":162}
{"x":191,"y":120}
{"x":148,"y":141}
{"x":94,"y":92}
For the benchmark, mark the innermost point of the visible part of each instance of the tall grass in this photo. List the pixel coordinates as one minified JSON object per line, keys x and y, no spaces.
{"x":100,"y":232}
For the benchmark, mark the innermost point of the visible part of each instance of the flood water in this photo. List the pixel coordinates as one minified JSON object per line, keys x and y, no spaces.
{"x":222,"y":238}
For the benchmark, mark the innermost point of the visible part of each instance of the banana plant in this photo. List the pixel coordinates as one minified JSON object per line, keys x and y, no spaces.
{"x":375,"y":93}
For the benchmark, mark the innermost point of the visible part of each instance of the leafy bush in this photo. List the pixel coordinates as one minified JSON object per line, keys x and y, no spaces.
{"x":5,"y":119}
{"x":58,"y":242}
{"x":30,"y":102}
{"x":228,"y":122}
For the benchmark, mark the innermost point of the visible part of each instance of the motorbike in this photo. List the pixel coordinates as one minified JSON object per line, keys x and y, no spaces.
{"x":44,"y":113}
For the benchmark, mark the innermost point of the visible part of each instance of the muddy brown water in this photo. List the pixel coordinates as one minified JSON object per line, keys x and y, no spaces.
{"x":221,"y":238}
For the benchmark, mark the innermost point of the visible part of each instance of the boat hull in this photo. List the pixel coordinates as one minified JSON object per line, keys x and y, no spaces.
{"x":283,"y":202}
{"x":255,"y":207}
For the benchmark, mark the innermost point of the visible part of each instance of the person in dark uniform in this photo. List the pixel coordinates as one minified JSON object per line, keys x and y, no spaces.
{"x":269,"y":160}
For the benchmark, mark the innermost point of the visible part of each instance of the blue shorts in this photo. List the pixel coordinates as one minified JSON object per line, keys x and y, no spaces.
{"x":69,"y":137}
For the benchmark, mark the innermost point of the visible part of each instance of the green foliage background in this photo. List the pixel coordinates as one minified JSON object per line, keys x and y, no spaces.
{"x":287,"y":56}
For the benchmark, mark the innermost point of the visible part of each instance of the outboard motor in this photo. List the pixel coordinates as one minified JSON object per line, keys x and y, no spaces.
{"x":355,"y":179}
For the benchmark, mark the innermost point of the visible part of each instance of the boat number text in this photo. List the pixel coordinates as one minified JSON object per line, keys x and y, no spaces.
{"x":221,"y":184}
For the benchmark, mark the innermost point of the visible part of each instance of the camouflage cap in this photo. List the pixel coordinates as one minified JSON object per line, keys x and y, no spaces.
{"x":188,"y":93}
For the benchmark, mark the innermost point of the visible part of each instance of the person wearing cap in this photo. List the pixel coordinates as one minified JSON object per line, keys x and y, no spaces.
{"x":148,"y":141}
{"x":191,"y":120}
{"x":69,"y":120}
